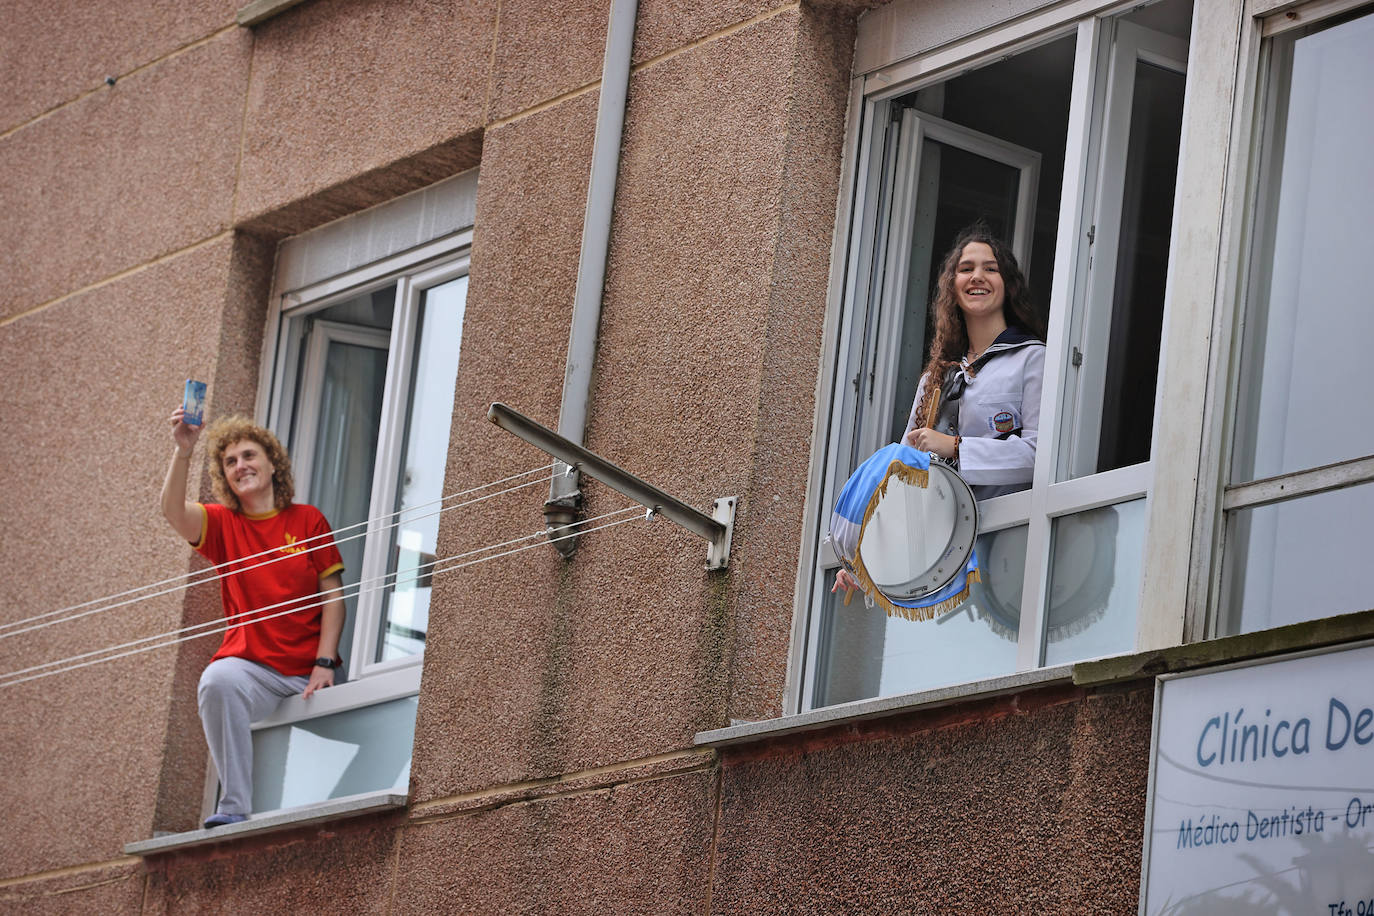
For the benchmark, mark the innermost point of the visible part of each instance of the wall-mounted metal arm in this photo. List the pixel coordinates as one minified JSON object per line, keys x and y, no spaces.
{"x":716,"y":528}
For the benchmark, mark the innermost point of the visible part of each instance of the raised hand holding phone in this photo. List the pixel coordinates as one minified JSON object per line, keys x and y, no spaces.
{"x":193,"y":403}
{"x":189,"y":418}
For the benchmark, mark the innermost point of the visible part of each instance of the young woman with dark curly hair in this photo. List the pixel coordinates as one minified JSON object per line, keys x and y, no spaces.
{"x":987,"y":366}
{"x":281,"y":555}
{"x":987,"y":362}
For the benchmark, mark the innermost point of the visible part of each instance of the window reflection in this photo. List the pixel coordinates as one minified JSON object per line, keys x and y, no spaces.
{"x":1299,"y":560}
{"x":870,"y":654}
{"x":1095,"y":567}
{"x":405,"y":620}
{"x":1307,"y":328}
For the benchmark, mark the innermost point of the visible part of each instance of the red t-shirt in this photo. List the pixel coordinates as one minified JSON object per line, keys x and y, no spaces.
{"x":287,"y":643}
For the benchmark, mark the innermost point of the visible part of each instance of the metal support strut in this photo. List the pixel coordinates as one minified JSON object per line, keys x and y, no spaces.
{"x":717,"y":528}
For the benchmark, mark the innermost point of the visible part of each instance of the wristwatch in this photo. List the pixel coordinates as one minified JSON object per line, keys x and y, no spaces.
{"x":325,"y":663}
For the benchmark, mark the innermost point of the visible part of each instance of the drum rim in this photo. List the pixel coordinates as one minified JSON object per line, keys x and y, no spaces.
{"x":929,"y":586}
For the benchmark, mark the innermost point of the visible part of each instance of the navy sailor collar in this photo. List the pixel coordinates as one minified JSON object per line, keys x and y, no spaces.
{"x":1013,"y":338}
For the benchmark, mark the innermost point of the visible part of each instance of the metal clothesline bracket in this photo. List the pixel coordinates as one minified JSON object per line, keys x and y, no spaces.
{"x":717,"y":528}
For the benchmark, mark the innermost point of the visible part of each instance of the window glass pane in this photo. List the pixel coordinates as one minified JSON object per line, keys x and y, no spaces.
{"x":956,"y":188}
{"x":1299,"y":560}
{"x":1118,"y":311}
{"x":348,"y":753}
{"x":406,"y":615}
{"x":345,"y":453}
{"x":869,"y":654}
{"x":1095,"y":582}
{"x":370,"y":310}
{"x":1142,"y":263}
{"x":1303,"y":403}
{"x":1022,"y":99}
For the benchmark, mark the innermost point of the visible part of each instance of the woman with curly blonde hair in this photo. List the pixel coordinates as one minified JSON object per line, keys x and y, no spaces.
{"x":227,"y":431}
{"x":281,"y":587}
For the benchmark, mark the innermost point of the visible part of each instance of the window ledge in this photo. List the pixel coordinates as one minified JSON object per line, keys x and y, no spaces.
{"x":1310,"y":634}
{"x":335,"y":809}
{"x":261,"y":10}
{"x":861,"y":710}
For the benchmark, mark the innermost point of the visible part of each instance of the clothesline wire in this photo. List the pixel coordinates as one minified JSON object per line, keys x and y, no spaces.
{"x":276,"y":559}
{"x":291,"y":604}
{"x":174,"y":637}
{"x":364,"y":523}
{"x":202,"y":576}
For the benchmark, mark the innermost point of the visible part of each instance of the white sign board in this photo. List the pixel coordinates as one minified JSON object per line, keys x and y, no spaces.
{"x":1262,"y":789}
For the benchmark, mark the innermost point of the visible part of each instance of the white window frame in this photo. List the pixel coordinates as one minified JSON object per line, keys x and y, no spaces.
{"x":1217,"y":496}
{"x":1089,"y":329}
{"x":302,"y":455}
{"x":412,"y":272}
{"x":1048,"y":498}
{"x":916,"y":128}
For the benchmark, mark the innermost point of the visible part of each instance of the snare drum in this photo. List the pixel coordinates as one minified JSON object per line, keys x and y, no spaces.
{"x":918,"y":540}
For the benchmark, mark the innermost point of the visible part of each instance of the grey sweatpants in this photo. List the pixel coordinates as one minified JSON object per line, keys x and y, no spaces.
{"x":233,"y":694}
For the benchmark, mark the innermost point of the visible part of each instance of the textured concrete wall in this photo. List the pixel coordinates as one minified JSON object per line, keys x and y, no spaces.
{"x":636,"y":841}
{"x":1032,"y":804}
{"x":348,"y":869}
{"x":554,"y":767}
{"x":84,"y":385}
{"x":55,"y":51}
{"x":104,"y":888}
{"x":341,"y":88}
{"x":537,"y":667}
{"x":114,"y":180}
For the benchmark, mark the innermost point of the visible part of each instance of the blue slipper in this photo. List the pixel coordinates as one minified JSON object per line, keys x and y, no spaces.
{"x":223,"y":820}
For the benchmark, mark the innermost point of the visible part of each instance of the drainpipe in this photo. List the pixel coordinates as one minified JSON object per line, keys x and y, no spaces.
{"x":565,"y":493}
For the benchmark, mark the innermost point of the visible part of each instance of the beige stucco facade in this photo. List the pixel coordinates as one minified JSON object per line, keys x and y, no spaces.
{"x":556,"y":766}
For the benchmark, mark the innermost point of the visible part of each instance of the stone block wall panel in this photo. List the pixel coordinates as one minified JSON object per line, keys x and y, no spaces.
{"x":635,"y":848}
{"x":115,"y":887}
{"x":54,"y":51}
{"x":773,"y":499}
{"x":79,"y":493}
{"x":492,"y":638}
{"x":667,"y":26}
{"x":986,"y":806}
{"x":117,"y":180}
{"x":568,"y":41}
{"x":348,"y":867}
{"x":319,"y":112}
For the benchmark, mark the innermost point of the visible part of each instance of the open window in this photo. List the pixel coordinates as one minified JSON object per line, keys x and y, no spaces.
{"x":371,"y":375}
{"x":1067,"y":146}
{"x":360,"y":363}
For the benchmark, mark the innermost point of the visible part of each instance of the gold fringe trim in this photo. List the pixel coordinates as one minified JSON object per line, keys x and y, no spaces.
{"x":916,"y":477}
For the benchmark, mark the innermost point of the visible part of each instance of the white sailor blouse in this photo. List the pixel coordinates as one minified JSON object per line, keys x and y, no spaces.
{"x":994,"y":404}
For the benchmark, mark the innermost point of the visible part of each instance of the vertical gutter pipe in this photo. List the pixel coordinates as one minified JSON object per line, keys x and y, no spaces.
{"x":565,"y":494}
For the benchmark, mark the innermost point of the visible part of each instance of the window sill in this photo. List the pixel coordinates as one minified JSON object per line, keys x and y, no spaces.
{"x":862,"y":710}
{"x":1310,"y":634}
{"x":336,"y":809}
{"x":262,"y":10}
{"x":365,"y":691}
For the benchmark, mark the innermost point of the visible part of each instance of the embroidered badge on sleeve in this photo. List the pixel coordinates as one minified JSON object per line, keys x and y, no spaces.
{"x":1004,"y":421}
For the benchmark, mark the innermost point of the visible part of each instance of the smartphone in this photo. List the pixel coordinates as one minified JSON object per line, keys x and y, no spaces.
{"x":193,"y":403}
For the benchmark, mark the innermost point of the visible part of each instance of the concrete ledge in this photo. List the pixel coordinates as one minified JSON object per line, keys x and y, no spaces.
{"x":1311,"y":634}
{"x":333,"y":810}
{"x":261,"y":10}
{"x":861,"y":710}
